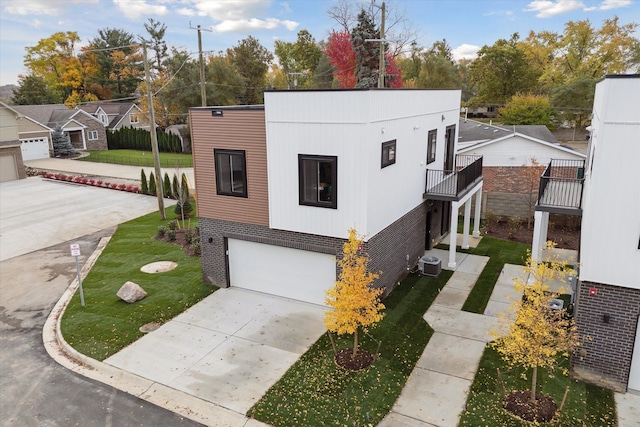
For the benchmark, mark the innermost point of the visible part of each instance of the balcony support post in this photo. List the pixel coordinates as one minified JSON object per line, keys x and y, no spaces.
{"x":453,"y":234}
{"x":476,"y":216}
{"x":540,"y":228}
{"x":465,"y":227}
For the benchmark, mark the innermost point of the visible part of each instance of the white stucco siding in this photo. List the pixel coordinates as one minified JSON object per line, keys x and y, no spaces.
{"x":610,"y":236}
{"x":516,"y":151}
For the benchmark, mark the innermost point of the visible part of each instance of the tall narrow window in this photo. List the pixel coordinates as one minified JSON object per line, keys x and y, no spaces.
{"x":388,"y":153}
{"x":93,"y":135}
{"x":318,"y":179}
{"x":231,"y":172}
{"x":432,"y":137}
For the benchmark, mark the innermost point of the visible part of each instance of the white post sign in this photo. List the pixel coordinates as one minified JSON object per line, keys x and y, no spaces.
{"x":75,"y":252}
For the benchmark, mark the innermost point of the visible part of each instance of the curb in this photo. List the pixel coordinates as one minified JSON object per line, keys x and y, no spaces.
{"x":177,"y":401}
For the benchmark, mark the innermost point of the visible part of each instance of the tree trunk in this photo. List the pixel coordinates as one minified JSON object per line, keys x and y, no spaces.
{"x":534,"y":382}
{"x":355,"y":344}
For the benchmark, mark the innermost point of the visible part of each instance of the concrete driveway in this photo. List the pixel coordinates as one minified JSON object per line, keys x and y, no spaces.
{"x":38,"y":213}
{"x":227,"y":349}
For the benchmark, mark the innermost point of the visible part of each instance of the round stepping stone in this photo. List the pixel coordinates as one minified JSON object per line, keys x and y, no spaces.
{"x":158,"y":267}
{"x":149,"y":327}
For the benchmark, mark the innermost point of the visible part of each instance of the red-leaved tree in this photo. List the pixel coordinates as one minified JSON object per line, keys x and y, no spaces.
{"x":343,"y":58}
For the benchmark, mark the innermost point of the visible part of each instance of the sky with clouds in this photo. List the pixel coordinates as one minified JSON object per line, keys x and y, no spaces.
{"x":467,"y":25}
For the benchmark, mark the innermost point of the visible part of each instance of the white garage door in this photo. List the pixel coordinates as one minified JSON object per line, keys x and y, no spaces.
{"x":34,"y":149}
{"x":634,"y":375}
{"x":286,"y":272}
{"x":8,"y":168}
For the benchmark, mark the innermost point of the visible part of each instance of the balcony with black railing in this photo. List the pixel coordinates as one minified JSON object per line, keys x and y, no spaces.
{"x":561,"y":187}
{"x":452,"y":185}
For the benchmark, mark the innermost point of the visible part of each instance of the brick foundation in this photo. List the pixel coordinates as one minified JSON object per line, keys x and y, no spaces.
{"x":605,"y":358}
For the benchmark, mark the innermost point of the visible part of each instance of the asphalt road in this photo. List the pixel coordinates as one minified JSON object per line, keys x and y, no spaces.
{"x":34,"y":389}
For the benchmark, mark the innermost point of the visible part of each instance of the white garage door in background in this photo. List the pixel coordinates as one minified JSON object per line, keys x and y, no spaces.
{"x":34,"y":149}
{"x":634,"y":375}
{"x":286,"y":272}
{"x":8,"y":168}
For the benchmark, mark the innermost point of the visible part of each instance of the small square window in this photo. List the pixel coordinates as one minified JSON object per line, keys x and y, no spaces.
{"x":93,"y":135}
{"x":388,"y":153}
{"x":317,"y":180}
{"x":231,"y":172}
{"x":432,"y":137}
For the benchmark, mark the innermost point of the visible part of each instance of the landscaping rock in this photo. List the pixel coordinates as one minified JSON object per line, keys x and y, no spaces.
{"x":131,"y":292}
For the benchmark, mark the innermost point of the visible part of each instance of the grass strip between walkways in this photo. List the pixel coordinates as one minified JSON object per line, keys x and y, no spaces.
{"x":316,"y":392}
{"x":139,"y":158}
{"x":586,"y":404}
{"x":107,"y":324}
{"x":501,"y":252}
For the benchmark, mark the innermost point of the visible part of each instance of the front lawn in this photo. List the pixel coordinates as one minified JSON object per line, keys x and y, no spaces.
{"x":586,"y":404}
{"x":316,"y":392}
{"x":139,"y":158}
{"x":107,"y":324}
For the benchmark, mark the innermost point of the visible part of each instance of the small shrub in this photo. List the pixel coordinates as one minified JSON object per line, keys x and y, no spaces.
{"x":144,"y":186}
{"x":173,"y":224}
{"x":84,"y":180}
{"x":171,"y":234}
{"x":166,"y":186}
{"x":162,"y":231}
{"x":183,"y":209}
{"x":490,"y":221}
{"x":195,"y":247}
{"x":513,"y":225}
{"x":92,"y":181}
{"x":121,"y":186}
{"x":99,"y":182}
{"x":114,"y":186}
{"x":189,"y":235}
{"x":152,"y":184}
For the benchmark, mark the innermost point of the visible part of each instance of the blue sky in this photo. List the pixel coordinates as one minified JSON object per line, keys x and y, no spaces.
{"x":466,"y":24}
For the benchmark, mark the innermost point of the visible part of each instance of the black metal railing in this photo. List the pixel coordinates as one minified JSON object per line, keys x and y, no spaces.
{"x":453,"y":183}
{"x":561,"y":185}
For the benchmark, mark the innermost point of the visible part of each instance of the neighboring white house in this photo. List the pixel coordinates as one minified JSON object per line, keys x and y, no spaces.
{"x":607,"y":307}
{"x":279,"y":186}
{"x":511,"y":159}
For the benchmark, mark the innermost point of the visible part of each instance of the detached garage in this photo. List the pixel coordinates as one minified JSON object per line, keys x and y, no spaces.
{"x":290,"y":273}
{"x":35,"y":148}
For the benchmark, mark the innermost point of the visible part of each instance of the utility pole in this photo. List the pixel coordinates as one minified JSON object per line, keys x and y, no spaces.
{"x":382,"y":70}
{"x":203,"y":89}
{"x":295,"y":79}
{"x":154,"y":137}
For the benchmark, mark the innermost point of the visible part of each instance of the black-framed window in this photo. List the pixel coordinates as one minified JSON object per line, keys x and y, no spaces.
{"x":432,"y":138}
{"x":388,"y":153}
{"x":231,"y":172}
{"x":318,"y":180}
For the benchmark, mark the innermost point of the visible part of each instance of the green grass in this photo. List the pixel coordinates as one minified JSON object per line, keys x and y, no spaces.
{"x":501,"y":252}
{"x":107,"y":324}
{"x":586,"y":405}
{"x":315,"y":392}
{"x":139,"y":158}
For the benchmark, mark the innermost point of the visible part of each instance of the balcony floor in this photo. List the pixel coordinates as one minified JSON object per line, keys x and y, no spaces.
{"x":561,"y":196}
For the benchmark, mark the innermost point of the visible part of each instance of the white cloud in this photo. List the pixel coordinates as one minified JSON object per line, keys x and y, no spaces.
{"x":40,"y":7}
{"x":186,"y":12}
{"x":548,"y":8}
{"x":253,"y":24}
{"x":36,"y":23}
{"x":134,"y":9}
{"x":465,"y":51}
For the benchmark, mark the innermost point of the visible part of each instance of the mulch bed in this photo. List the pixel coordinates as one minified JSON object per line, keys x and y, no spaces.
{"x":180,"y":240}
{"x":362,"y":360}
{"x":519,"y":404}
{"x":564,"y":237}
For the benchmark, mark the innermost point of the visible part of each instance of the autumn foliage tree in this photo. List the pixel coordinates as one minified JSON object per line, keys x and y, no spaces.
{"x":531,"y":334}
{"x":355,"y":304}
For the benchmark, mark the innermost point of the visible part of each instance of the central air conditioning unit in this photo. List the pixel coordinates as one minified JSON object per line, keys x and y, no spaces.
{"x":430,"y":266}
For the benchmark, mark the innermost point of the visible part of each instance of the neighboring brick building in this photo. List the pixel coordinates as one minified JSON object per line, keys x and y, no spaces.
{"x":606,"y":193}
{"x":511,"y":177}
{"x":280,"y":185}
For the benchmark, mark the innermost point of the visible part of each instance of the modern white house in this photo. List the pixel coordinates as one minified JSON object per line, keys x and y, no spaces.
{"x":280,"y":185}
{"x":605,"y":190}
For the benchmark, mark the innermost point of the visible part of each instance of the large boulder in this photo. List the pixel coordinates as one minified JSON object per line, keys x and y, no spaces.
{"x":131,"y":292}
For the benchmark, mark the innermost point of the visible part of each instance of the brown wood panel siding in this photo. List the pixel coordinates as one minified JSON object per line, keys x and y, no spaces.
{"x":237,"y":129}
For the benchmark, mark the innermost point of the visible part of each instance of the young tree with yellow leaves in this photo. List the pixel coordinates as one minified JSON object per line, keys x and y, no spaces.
{"x":354,"y":302}
{"x":538,"y":334}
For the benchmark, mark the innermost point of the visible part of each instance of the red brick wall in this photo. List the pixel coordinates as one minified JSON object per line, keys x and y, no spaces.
{"x":514,"y":179}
